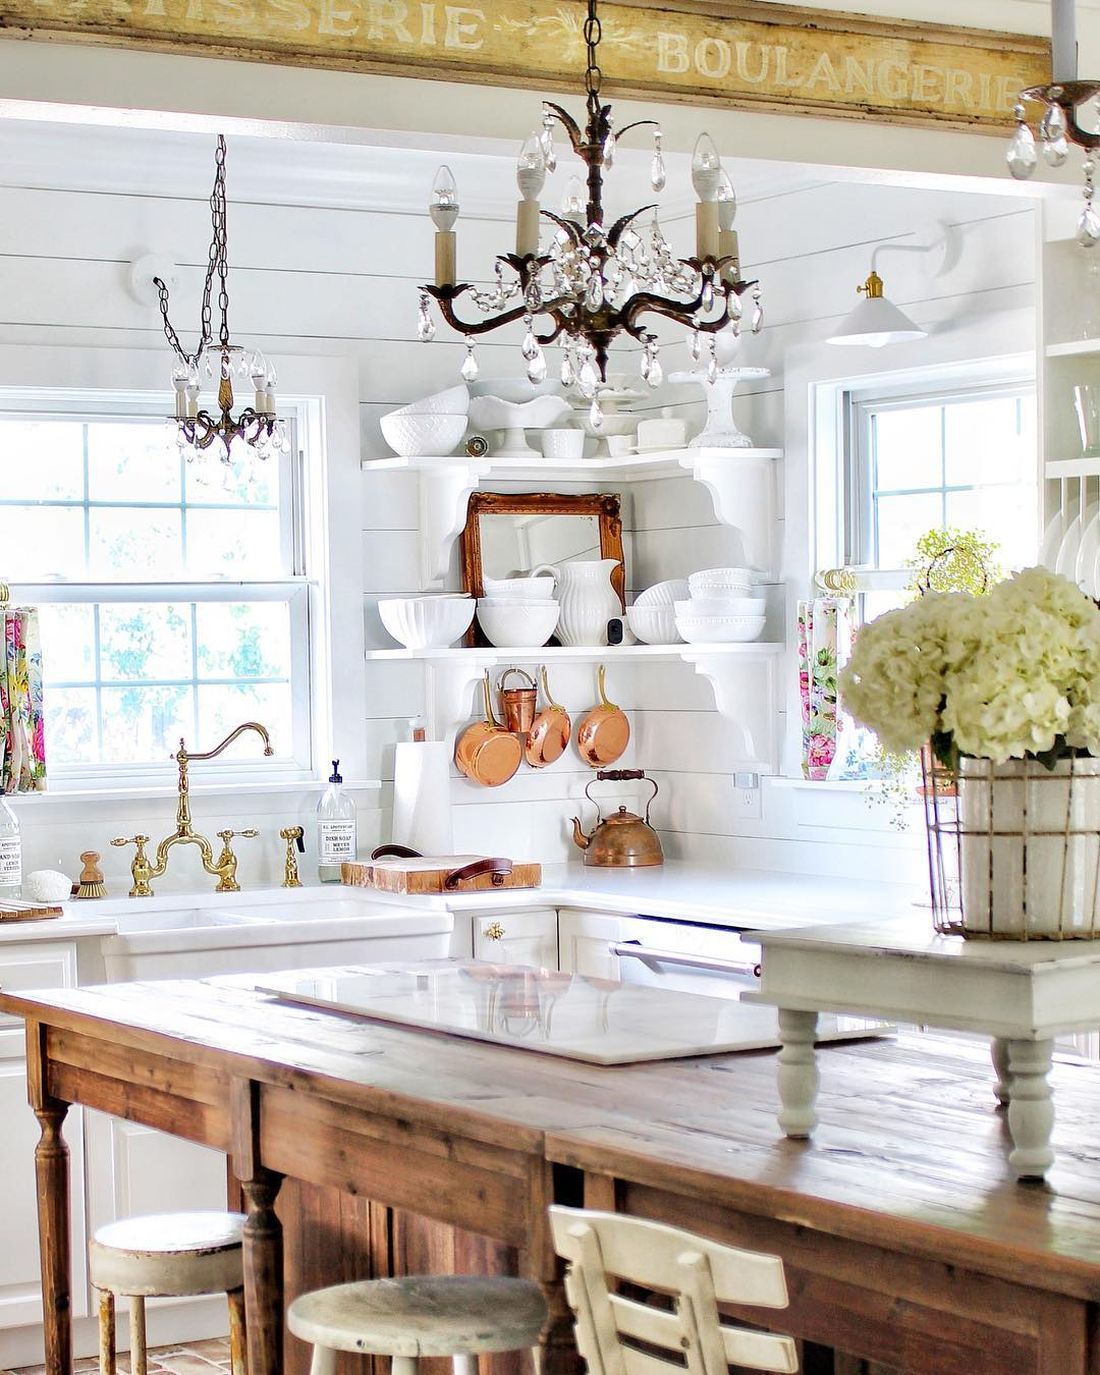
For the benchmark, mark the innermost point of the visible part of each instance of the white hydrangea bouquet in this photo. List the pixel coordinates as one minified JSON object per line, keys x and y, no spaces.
{"x":1004,"y":691}
{"x":1011,"y":675}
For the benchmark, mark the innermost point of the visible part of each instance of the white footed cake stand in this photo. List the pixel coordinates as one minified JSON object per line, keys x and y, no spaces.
{"x":720,"y":431}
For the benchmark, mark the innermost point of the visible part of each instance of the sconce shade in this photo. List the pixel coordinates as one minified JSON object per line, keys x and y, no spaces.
{"x":876,"y":322}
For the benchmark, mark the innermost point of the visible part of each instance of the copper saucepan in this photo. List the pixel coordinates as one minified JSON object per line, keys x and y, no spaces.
{"x":550,"y":732}
{"x":604,"y":732}
{"x":517,"y":705}
{"x":487,"y":753}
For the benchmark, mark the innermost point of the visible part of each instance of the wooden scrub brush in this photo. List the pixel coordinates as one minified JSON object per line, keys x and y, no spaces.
{"x":90,"y":884}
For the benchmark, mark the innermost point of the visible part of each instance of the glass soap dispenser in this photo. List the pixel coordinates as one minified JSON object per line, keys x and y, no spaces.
{"x":11,"y":854}
{"x":335,"y":828}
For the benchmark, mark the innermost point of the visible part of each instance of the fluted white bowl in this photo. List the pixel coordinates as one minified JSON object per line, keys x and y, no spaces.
{"x":653,"y":625}
{"x":520,"y":589}
{"x":722,"y":582}
{"x":422,"y":436}
{"x":663,"y":593}
{"x":426,"y":622}
{"x":716,"y":630}
{"x":453,"y":401}
{"x":752,"y":607}
{"x":528,"y":624}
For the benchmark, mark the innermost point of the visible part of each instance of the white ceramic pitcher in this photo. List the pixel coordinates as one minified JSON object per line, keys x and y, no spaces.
{"x":588,"y":601}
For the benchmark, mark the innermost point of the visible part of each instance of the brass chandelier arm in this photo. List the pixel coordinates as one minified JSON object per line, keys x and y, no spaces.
{"x":1069,"y":96}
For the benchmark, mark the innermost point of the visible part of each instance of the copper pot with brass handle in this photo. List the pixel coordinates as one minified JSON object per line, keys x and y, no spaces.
{"x":604,"y":732}
{"x":550,"y":732}
{"x":517,"y":704}
{"x":487,"y":753}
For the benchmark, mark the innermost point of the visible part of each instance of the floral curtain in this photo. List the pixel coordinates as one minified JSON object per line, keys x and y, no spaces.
{"x":22,"y":737}
{"x":824,"y":642}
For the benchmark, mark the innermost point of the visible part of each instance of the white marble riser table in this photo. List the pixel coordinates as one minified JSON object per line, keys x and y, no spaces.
{"x":1022,"y":994}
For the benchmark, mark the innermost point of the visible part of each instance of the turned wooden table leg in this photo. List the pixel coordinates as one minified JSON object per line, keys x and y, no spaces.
{"x":262,"y":1252}
{"x":1031,"y":1110}
{"x":51,"y":1168}
{"x":1002,"y":1089}
{"x":797,"y":1073}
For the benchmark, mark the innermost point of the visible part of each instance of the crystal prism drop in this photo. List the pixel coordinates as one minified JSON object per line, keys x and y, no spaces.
{"x":757,"y":314}
{"x":706,"y":296}
{"x":1056,"y":152}
{"x":609,"y":150}
{"x":589,"y":378}
{"x":568,"y":372}
{"x":425,"y":327}
{"x":647,"y":362}
{"x":469,"y":369}
{"x":1088,"y":227}
{"x":712,"y":366}
{"x":530,"y":349}
{"x":536,"y":367}
{"x":595,"y":414}
{"x":657,"y":174}
{"x":1021,"y":156}
{"x":733,"y":306}
{"x":656,"y":374}
{"x":1053,"y":125}
{"x":593,"y":296}
{"x":546,"y":142}
{"x":696,"y":346}
{"x":532,"y":297}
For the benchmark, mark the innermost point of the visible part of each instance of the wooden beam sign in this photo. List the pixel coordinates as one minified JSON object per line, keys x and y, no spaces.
{"x":749,"y":55}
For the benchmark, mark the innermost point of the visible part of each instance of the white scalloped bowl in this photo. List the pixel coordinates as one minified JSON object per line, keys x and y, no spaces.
{"x":427,"y":622}
{"x":719,"y":630}
{"x":653,"y":625}
{"x":664,"y":593}
{"x":700,"y":607}
{"x":722,"y":582}
{"x":453,"y":401}
{"x":528,"y":624}
{"x":520,"y":589}
{"x":422,"y":436}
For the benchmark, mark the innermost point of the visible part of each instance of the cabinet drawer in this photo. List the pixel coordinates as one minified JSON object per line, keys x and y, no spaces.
{"x":39,"y":964}
{"x":527,"y":937}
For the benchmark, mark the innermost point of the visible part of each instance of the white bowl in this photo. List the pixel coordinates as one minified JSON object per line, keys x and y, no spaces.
{"x":653,"y":625}
{"x":427,"y":622}
{"x":453,"y":401}
{"x":663,"y":593}
{"x":750,"y":607}
{"x":722,"y":582}
{"x":520,"y":589}
{"x":422,"y":436}
{"x":529,"y":624}
{"x":515,"y":389}
{"x":718,"y":630}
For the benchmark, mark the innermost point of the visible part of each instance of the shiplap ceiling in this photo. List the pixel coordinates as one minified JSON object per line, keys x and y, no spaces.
{"x":376,"y":176}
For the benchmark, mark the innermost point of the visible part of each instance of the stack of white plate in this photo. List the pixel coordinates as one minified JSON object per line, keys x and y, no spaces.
{"x":723,"y":607}
{"x":518,"y":611}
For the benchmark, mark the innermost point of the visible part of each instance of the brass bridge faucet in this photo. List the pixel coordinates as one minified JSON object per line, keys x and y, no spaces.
{"x":224,"y":868}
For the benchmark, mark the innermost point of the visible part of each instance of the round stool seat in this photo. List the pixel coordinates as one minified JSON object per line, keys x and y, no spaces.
{"x":168,"y":1254}
{"x":422,"y":1315}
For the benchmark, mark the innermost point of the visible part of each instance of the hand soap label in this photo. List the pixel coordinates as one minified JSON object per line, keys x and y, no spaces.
{"x":11,"y":862}
{"x":336,"y":841}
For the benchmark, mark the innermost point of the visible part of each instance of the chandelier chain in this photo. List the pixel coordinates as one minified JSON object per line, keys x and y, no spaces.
{"x":593,"y":76}
{"x":217,"y":262}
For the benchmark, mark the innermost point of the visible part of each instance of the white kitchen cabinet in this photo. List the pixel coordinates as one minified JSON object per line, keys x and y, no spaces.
{"x":39,"y":964}
{"x":584,"y":943}
{"x":527,"y":937}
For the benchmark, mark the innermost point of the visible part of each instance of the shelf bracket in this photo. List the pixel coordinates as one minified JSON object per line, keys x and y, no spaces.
{"x":744,"y":693}
{"x":449,"y":696}
{"x":444,"y":493}
{"x":740,"y":482}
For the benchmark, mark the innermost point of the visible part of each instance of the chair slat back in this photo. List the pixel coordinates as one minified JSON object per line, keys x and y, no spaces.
{"x":618,"y":1335}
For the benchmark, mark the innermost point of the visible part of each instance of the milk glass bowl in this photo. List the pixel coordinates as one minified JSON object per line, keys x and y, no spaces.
{"x":427,"y":622}
{"x":416,"y":435}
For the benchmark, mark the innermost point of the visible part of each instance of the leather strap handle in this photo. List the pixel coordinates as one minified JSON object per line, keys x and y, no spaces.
{"x":395,"y":852}
{"x":620,"y":775}
{"x":499,"y":868}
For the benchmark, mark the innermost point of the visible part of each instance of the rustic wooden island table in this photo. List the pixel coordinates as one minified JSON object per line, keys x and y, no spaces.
{"x":907,"y":1242}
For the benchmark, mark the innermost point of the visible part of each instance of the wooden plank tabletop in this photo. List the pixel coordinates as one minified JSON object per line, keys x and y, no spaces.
{"x":910,"y":1151}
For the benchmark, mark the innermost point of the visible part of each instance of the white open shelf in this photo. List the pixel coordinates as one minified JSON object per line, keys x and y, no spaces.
{"x":490,"y":657}
{"x":1072,"y":467}
{"x":1073,"y":348}
{"x":643,"y":467}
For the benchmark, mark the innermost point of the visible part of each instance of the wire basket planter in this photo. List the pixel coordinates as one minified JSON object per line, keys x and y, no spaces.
{"x":1014,"y":848}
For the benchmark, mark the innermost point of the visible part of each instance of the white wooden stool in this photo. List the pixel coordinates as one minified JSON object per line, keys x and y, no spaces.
{"x":166,"y":1255}
{"x":419,"y":1315}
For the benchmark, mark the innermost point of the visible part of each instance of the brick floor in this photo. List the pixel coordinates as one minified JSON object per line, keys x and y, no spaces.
{"x":197,"y":1358}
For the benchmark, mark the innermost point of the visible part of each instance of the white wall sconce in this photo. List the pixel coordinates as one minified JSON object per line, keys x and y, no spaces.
{"x":876,"y":321}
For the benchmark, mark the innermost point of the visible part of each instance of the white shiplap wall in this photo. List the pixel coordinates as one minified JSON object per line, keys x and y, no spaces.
{"x":326,"y":254}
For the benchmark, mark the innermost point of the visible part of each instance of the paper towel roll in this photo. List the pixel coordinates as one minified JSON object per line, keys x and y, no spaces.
{"x":422,"y":797}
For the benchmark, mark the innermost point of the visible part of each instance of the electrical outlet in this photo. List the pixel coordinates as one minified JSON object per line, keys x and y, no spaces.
{"x":747,"y":797}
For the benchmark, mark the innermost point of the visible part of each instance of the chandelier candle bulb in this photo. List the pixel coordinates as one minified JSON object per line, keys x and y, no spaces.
{"x":1063,"y":40}
{"x":707,"y":233}
{"x":530,"y":177}
{"x":444,"y":212}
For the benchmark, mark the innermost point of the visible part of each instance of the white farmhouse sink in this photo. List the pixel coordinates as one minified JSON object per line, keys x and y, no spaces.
{"x":267,"y":930}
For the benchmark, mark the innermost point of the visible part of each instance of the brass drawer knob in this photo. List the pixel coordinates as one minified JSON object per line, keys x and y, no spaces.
{"x":494,"y":931}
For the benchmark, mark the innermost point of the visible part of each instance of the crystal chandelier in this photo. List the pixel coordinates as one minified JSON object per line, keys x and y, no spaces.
{"x":595,"y":281}
{"x":256,"y":430}
{"x":1059,"y":126}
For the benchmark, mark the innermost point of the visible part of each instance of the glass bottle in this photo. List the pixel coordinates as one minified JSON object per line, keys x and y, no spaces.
{"x":11,"y":853}
{"x":335,"y":828}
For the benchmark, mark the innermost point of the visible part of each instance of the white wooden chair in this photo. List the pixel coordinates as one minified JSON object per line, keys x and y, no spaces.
{"x":167,"y":1255}
{"x":617,"y":1335}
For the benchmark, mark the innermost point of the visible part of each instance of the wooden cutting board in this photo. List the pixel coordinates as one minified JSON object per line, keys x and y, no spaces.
{"x":16,"y":909}
{"x":428,"y":874}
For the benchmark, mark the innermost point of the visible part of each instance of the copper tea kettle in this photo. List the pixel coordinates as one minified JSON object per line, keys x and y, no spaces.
{"x":622,"y":840}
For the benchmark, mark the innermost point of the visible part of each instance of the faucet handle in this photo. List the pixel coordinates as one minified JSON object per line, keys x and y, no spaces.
{"x":140,"y":868}
{"x":251,"y":833}
{"x":139,"y":840}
